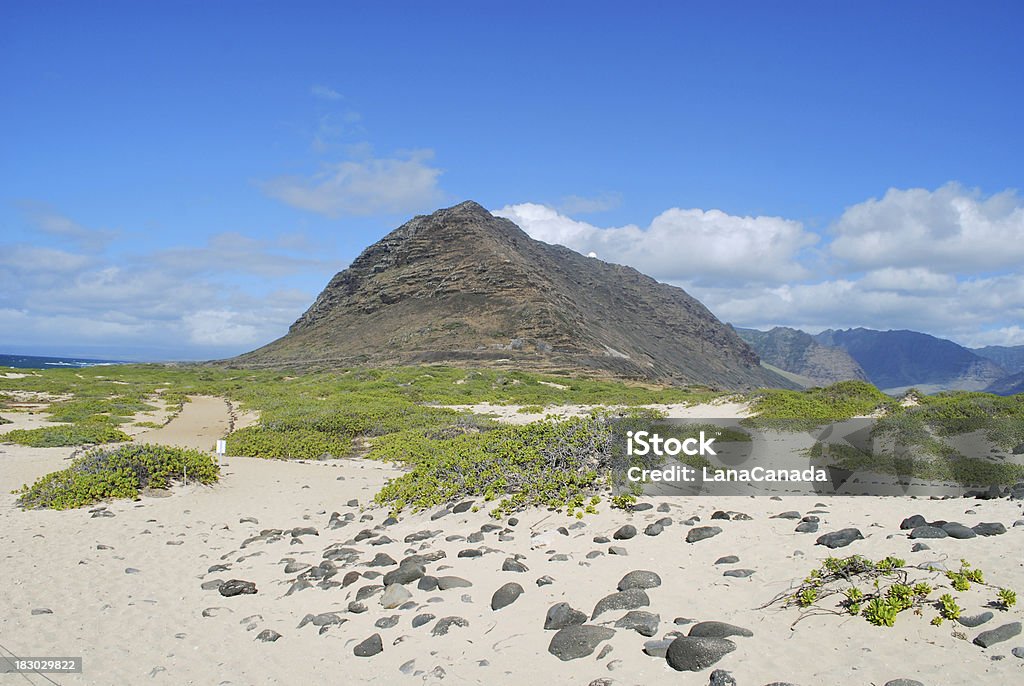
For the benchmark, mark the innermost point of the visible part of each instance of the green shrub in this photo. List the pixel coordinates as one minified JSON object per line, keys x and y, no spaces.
{"x":802,"y":410}
{"x":119,"y":473}
{"x":83,"y":433}
{"x":302,"y":444}
{"x":1006,"y":598}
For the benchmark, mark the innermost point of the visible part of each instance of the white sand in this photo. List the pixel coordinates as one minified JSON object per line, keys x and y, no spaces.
{"x":148,"y":627}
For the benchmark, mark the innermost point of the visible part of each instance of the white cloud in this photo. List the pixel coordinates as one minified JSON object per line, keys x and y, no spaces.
{"x":325,"y":93}
{"x":220,"y":328}
{"x":234,"y":252}
{"x":363,"y":187}
{"x":51,"y":222}
{"x":701,"y":247}
{"x":952,"y":229}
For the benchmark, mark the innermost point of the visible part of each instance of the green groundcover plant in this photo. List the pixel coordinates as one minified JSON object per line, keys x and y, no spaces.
{"x":120,"y":473}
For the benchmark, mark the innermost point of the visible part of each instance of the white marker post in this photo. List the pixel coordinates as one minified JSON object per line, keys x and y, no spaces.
{"x":222,"y":447}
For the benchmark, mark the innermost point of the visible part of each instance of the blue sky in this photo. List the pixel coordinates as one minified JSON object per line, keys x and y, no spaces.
{"x":178,"y":180}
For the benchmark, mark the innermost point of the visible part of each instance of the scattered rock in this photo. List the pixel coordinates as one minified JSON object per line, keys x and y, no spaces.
{"x":420,"y":620}
{"x":624,"y":600}
{"x":545,"y":580}
{"x":718,"y":630}
{"x":841,"y":538}
{"x":789,"y":514}
{"x":1005,"y":632}
{"x":506,"y":595}
{"x":625,"y":533}
{"x":654,"y":529}
{"x":236,"y":587}
{"x":643,"y":622}
{"x":574,"y":642}
{"x":926,"y":531}
{"x":806,"y":528}
{"x":268,"y":636}
{"x":958,"y":530}
{"x":443,"y":625}
{"x":702,"y":532}
{"x":641,"y":579}
{"x":913,"y":521}
{"x":918,"y":547}
{"x":738,"y":573}
{"x":394,"y":595}
{"x":561,"y":615}
{"x":975,"y":620}
{"x":369,"y":647}
{"x":470,"y":552}
{"x":727,"y":560}
{"x":386,"y":622}
{"x":903,"y":682}
{"x":48,"y":611}
{"x":405,"y":574}
{"x":720,"y":677}
{"x":989,"y":529}
{"x":445,"y":583}
{"x":693,"y":654}
{"x":513,"y":565}
{"x":380,"y":560}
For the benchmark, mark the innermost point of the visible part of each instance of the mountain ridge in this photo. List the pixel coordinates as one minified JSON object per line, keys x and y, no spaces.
{"x":463,"y":286}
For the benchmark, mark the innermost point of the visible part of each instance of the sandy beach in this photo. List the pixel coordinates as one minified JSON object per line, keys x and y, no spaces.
{"x":132,"y":587}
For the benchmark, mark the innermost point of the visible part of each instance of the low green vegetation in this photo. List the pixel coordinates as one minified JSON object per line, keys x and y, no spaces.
{"x":120,"y":473}
{"x":83,"y":433}
{"x":880,"y":590}
{"x":802,"y":410}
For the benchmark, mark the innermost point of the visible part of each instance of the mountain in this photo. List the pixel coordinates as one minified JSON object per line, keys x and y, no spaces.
{"x":797,"y":352}
{"x":464,"y":286}
{"x":1008,"y":385}
{"x":1010,"y":358}
{"x":897,"y":360}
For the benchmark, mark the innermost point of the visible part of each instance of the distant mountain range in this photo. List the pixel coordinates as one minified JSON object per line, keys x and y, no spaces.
{"x":894,"y":361}
{"x":464,"y":286}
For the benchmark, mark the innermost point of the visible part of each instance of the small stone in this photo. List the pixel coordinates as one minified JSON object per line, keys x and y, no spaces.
{"x":506,"y":595}
{"x":738,"y":573}
{"x":464,"y":506}
{"x":624,"y":600}
{"x":574,"y":642}
{"x":617,"y":550}
{"x":912,"y":522}
{"x":720,"y":677}
{"x":545,"y":580}
{"x":694,"y":654}
{"x":625,"y":533}
{"x":443,"y":625}
{"x":841,"y":538}
{"x":380,"y":560}
{"x":643,"y":622}
{"x":701,"y":533}
{"x":640,"y":579}
{"x":989,"y":638}
{"x":394,"y":595}
{"x":727,"y":560}
{"x":268,"y":636}
{"x":445,"y":583}
{"x":989,"y":529}
{"x":369,"y":647}
{"x":420,"y":620}
{"x":45,"y":611}
{"x":975,"y":620}
{"x":236,"y":587}
{"x":470,"y":552}
{"x":806,"y":528}
{"x":386,"y":622}
{"x":561,"y":615}
{"x":958,"y":530}
{"x":903,"y":682}
{"x":654,"y":529}
{"x":918,"y":547}
{"x":928,"y":532}
{"x":718,"y":630}
{"x":513,"y":565}
{"x":356,"y":608}
{"x":790,"y":514}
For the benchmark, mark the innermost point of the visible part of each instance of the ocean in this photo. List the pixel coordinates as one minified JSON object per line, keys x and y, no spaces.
{"x":35,"y":362}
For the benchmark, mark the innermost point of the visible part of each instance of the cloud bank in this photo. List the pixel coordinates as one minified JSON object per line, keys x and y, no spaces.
{"x":948,"y":261}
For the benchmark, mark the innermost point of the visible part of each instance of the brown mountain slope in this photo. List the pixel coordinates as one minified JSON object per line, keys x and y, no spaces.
{"x":464,"y":286}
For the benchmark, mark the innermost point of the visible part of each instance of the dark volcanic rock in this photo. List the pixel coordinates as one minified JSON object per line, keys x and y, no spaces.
{"x":739,"y":573}
{"x":720,"y":677}
{"x":718,"y":630}
{"x":1002,"y":633}
{"x":625,"y":533}
{"x":693,"y":654}
{"x":643,"y":622}
{"x":369,"y":647}
{"x":447,"y":582}
{"x":574,"y":642}
{"x":268,"y":636}
{"x":654,"y":529}
{"x":990,"y":529}
{"x":790,"y":514}
{"x":639,"y":578}
{"x":806,"y":528}
{"x":623,"y":600}
{"x":446,"y":623}
{"x":958,"y":530}
{"x":841,"y":538}
{"x":561,"y":615}
{"x":903,"y":682}
{"x":405,"y":574}
{"x":702,"y":532}
{"x":464,"y":286}
{"x":236,"y":587}
{"x":928,"y":532}
{"x":506,"y":595}
{"x":975,"y":620}
{"x":513,"y":565}
{"x":913,"y":521}
{"x":420,"y":620}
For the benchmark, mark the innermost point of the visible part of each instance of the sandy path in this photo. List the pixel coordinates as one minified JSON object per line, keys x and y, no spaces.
{"x":200,"y":424}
